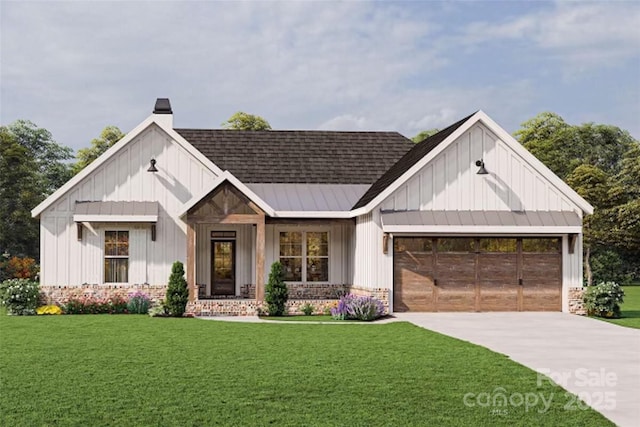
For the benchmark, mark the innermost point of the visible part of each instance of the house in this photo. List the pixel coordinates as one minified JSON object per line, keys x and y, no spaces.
{"x":466,"y":220}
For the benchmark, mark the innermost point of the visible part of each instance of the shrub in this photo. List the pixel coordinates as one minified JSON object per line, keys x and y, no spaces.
{"x":21,"y":268}
{"x":138,"y":303}
{"x":328,"y":308}
{"x":604,"y":299}
{"x":159,"y":310}
{"x":276,"y":292}
{"x":89,"y":305}
{"x":48,"y":309}
{"x":20,"y":296}
{"x":352,"y":307}
{"x":307,"y":309}
{"x":117,"y":305}
{"x":177,"y":291}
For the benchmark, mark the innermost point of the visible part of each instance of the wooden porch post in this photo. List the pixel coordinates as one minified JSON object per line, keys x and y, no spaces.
{"x":191,"y":261}
{"x":260,"y":244}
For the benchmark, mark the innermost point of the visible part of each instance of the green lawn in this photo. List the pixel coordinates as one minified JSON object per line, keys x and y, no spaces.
{"x":302,"y":318}
{"x":630,"y":308}
{"x":316,"y":318}
{"x":140,"y":371}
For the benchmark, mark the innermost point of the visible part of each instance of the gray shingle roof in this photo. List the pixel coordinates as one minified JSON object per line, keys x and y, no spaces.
{"x":407,"y":161}
{"x":310,"y":157}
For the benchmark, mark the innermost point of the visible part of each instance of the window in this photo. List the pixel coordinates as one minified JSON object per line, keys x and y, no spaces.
{"x":495,"y":245}
{"x":305,"y":256}
{"x":541,"y":245}
{"x":413,"y":244}
{"x":116,"y":256}
{"x":457,"y":244}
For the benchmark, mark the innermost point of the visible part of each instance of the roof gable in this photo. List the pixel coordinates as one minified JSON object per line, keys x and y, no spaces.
{"x":431,"y":147}
{"x":153,"y":120}
{"x":226,"y":176}
{"x":412,"y":157}
{"x":300,"y":157}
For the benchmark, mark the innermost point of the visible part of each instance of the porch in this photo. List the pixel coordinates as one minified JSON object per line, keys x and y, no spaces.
{"x":232,"y":241}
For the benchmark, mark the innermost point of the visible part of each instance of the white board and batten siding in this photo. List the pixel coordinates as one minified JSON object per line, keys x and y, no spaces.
{"x":67,"y":261}
{"x":450,"y":182}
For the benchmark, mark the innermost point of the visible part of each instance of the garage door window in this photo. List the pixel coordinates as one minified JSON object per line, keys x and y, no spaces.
{"x":413,"y":245}
{"x":460,"y":244}
{"x":498,"y":245}
{"x":541,"y":245}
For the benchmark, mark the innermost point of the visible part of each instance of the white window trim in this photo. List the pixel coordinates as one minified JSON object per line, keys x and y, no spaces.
{"x":304,"y":231}
{"x":105,"y":256}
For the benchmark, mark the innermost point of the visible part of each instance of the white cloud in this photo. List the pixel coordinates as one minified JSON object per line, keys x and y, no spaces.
{"x":579,"y":34}
{"x":443,"y":117}
{"x":75,"y":67}
{"x":346,"y":122}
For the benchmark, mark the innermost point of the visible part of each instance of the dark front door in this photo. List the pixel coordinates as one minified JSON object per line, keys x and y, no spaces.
{"x":223,"y":267}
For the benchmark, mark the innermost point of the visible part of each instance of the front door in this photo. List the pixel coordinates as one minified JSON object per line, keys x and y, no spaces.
{"x":223,"y":267}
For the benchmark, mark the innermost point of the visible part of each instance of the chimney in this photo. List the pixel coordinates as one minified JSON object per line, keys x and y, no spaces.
{"x":162,"y":112}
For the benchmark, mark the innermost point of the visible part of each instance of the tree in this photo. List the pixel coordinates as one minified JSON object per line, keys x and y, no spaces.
{"x":20,"y":191}
{"x":627,"y":185}
{"x":50,"y":157}
{"x":594,"y":185}
{"x":177,"y":291}
{"x":276,"y":292}
{"x":424,"y":135}
{"x":108,"y":137}
{"x":548,"y":137}
{"x":562,"y":147}
{"x":602,"y":163}
{"x":245,"y":121}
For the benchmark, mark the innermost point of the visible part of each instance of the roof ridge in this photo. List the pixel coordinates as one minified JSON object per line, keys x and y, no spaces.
{"x":291,"y":130}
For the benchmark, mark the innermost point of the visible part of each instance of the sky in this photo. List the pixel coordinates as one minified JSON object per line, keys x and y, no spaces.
{"x":76,"y":67}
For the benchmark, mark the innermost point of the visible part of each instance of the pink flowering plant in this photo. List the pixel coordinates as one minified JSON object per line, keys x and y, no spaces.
{"x":89,"y":305}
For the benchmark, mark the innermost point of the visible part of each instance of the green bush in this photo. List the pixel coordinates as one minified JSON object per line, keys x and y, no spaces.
{"x":276,"y":292}
{"x":604,"y":299}
{"x":177,"y":291}
{"x":20,"y":296}
{"x":307,"y":309}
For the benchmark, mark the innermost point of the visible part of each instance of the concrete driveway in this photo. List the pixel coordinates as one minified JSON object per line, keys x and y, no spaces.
{"x":594,"y":359}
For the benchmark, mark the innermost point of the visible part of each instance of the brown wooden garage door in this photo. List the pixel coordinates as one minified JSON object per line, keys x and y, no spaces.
{"x":477,"y":274}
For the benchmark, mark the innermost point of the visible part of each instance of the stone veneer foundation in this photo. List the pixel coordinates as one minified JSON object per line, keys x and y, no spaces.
{"x":321,"y":296}
{"x":59,"y":294}
{"x":576,"y":304}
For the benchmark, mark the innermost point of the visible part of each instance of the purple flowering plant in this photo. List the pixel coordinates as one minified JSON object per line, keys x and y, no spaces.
{"x":353,"y":307}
